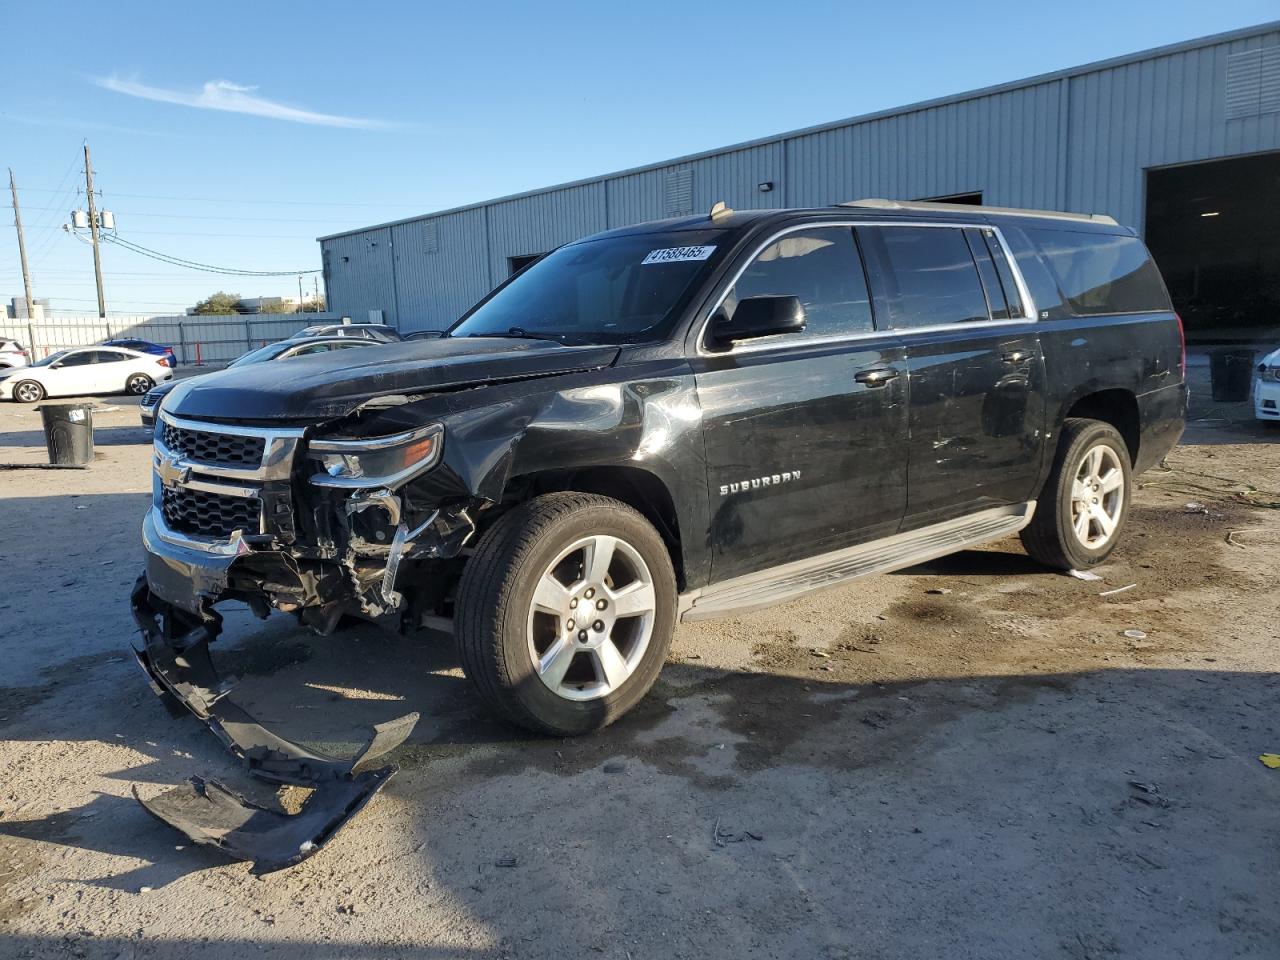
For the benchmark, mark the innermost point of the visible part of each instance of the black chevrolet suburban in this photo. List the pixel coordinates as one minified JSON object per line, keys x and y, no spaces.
{"x":671,"y":421}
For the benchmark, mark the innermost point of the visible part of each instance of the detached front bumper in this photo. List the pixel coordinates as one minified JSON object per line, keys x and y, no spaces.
{"x":174,"y":652}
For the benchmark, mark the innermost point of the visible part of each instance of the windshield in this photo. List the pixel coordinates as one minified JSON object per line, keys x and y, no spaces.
{"x":614,"y":290}
{"x":51,"y":358}
{"x":256,"y":356}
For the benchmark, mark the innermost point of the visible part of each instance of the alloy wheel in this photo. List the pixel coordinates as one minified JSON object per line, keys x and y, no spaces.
{"x":1097,"y":496}
{"x":28,"y":392}
{"x":591,"y":618}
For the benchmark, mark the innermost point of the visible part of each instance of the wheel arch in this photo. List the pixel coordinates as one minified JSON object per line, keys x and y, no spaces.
{"x":640,"y":489}
{"x":1116,"y":406}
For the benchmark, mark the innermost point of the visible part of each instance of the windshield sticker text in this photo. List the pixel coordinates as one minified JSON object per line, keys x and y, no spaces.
{"x":676,"y":254}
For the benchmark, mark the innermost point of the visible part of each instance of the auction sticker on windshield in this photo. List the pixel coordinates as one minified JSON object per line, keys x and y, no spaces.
{"x":676,"y":254}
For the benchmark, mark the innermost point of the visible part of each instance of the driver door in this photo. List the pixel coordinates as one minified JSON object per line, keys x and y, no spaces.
{"x":805,"y":433}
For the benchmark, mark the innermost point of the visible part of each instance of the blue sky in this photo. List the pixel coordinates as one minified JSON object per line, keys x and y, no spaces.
{"x":236,"y":133}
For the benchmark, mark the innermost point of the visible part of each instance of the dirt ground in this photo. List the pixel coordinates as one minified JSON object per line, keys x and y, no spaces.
{"x":969,"y":759}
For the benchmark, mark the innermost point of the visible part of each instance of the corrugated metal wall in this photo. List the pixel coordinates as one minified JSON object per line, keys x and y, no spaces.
{"x":1078,"y":141}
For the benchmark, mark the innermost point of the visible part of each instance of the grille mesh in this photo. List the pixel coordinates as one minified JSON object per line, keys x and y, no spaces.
{"x":222,"y":448}
{"x":209,"y":514}
{"x":150,"y":398}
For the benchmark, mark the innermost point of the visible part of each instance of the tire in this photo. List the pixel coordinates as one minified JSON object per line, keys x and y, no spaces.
{"x":1053,"y":537}
{"x":535,"y":667}
{"x":28,"y":391}
{"x":138,"y":384}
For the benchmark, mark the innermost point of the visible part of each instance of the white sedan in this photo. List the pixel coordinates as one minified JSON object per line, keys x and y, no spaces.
{"x":85,"y":370}
{"x":1266,"y":388}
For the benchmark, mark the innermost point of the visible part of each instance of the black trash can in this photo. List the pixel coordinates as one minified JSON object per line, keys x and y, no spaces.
{"x":68,"y":432}
{"x":1230,"y":373}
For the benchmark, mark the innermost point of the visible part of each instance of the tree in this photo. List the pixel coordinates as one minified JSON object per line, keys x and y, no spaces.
{"x":219,"y":304}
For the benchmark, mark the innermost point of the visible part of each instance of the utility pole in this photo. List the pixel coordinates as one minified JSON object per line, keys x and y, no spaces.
{"x":301,"y":303}
{"x":22,"y":248}
{"x":93,"y":229}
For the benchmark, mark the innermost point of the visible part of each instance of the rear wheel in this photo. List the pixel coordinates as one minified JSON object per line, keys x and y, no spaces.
{"x":565,"y":612}
{"x":1085,"y":501}
{"x":28,"y":391}
{"x":138,"y":384}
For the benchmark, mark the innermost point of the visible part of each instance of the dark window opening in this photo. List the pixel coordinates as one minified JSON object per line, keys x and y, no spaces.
{"x":516,"y":264}
{"x":973,"y":199}
{"x":1212,"y":230}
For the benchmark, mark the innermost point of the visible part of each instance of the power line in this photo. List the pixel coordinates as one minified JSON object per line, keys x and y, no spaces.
{"x":196,"y":265}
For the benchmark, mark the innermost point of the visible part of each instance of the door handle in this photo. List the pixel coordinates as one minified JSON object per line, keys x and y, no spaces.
{"x":1015,"y":356}
{"x":876,"y":377}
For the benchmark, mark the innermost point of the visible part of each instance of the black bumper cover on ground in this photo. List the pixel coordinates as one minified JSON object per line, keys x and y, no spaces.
{"x":175,"y":655}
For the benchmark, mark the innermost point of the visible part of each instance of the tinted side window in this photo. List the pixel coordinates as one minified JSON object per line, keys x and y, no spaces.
{"x":923,"y":276}
{"x":1102,"y":273}
{"x":822,"y":269}
{"x":81,"y":359}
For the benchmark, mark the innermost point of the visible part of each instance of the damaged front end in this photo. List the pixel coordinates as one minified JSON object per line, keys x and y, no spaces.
{"x":317,"y":527}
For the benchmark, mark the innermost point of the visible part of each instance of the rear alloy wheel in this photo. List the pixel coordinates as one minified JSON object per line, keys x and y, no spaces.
{"x":565,"y":612}
{"x":28,"y":391}
{"x":139,"y":384}
{"x":1082,"y":509}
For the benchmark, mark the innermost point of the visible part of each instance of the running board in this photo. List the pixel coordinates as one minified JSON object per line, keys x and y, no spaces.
{"x":780,"y":584}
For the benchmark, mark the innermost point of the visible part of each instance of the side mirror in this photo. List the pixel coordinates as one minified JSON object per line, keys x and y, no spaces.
{"x":759,"y":317}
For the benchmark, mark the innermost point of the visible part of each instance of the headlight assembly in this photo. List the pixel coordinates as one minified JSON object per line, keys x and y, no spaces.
{"x":1269,"y":372}
{"x":376,"y":461}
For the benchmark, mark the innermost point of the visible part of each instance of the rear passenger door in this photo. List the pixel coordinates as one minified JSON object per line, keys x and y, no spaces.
{"x":804,"y":432}
{"x":977,"y":409}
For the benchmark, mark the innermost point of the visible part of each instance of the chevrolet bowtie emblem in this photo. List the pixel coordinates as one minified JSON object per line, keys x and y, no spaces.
{"x":171,"y":472}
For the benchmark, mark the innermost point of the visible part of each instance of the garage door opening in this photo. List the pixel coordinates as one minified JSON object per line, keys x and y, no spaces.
{"x":516,"y":264}
{"x":1214,"y":230}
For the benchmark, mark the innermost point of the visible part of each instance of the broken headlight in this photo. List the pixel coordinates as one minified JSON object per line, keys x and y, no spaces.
{"x":376,"y":461}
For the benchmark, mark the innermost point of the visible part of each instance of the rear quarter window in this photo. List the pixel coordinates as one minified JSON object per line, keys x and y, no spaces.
{"x":1101,"y":273}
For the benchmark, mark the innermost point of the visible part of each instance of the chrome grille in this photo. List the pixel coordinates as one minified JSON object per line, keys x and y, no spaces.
{"x":209,"y":514}
{"x":152,"y":397}
{"x":206,"y":447}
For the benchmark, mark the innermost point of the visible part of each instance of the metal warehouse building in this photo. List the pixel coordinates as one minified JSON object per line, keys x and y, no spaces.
{"x":1182,"y":143}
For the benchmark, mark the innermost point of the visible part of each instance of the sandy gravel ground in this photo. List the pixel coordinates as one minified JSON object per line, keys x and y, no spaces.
{"x":969,"y":759}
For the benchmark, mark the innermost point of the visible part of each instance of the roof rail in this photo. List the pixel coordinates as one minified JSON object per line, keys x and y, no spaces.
{"x":926,"y":205}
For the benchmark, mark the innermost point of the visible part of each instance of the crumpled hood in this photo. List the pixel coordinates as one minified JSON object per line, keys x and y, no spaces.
{"x":327,"y":385}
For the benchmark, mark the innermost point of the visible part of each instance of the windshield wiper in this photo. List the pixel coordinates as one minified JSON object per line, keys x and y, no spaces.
{"x":520,"y":333}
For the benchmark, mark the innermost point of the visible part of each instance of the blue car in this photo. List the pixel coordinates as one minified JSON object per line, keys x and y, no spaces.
{"x":145,"y":346}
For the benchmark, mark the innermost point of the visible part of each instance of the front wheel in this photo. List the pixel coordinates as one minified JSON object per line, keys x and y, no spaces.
{"x":565,"y":613}
{"x":139,"y":384}
{"x":1085,"y":501}
{"x":28,"y":391}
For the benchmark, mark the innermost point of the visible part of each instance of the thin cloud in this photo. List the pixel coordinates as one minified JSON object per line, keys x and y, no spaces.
{"x":234,"y":98}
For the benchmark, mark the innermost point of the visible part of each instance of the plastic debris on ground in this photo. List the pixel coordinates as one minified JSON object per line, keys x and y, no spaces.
{"x":1271,"y":760}
{"x":1084,"y":575}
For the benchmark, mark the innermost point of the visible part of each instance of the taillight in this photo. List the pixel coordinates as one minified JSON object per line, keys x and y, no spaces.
{"x":1182,"y":345}
{"x":163,"y":362}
